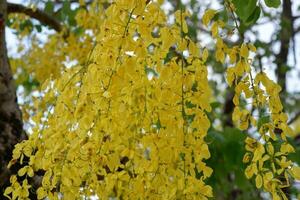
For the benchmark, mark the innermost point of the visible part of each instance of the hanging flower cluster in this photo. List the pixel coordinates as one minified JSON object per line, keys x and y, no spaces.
{"x":267,"y":154}
{"x":130,"y":122}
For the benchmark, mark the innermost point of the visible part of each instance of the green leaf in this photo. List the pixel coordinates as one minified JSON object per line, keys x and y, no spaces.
{"x":66,"y":6}
{"x":49,"y":7}
{"x":189,"y":104}
{"x":78,"y":31}
{"x":262,"y":120}
{"x":273,"y":3}
{"x":244,"y":8}
{"x":254,"y":17}
{"x":38,"y":28}
{"x":26,"y":24}
{"x":215,"y":105}
{"x":216,"y":137}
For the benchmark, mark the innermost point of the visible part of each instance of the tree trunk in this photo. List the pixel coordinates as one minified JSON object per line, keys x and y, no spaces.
{"x":11,"y":127}
{"x":285,"y":36}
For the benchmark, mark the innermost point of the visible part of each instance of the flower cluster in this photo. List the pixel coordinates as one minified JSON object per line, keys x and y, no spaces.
{"x":130,"y":122}
{"x":267,"y":154}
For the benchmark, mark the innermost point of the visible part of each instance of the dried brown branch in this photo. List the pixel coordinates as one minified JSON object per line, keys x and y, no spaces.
{"x":37,"y":14}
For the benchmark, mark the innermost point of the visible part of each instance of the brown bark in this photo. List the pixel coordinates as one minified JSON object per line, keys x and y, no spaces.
{"x":11,"y":127}
{"x":37,"y":14}
{"x":228,"y":108}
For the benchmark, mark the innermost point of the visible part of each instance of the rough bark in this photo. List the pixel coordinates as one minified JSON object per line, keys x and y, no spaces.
{"x":11,"y":127}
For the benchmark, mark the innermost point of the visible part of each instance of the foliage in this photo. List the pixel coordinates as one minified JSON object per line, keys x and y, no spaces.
{"x":248,"y":10}
{"x":131,"y":119}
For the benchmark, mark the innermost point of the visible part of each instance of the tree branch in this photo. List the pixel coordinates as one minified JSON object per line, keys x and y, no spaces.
{"x":37,"y":14}
{"x":296,"y":17}
{"x":297,"y":30}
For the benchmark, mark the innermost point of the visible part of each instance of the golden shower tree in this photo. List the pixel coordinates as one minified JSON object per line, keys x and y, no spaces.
{"x":129,"y":118}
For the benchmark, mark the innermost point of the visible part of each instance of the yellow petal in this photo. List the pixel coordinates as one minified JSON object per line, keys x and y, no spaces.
{"x":258,"y":181}
{"x":208,"y":15}
{"x":244,"y":51}
{"x":296,"y":172}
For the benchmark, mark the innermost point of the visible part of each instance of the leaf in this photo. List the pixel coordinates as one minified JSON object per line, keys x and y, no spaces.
{"x":244,"y":51}
{"x":27,"y":24}
{"x":41,"y":193}
{"x":262,"y":120}
{"x":205,"y":55}
{"x":49,"y":7}
{"x":184,"y":27}
{"x":8,"y":190}
{"x":273,"y":3}
{"x":254,"y":16}
{"x":215,"y":104}
{"x":258,"y":181}
{"x":38,"y":28}
{"x":66,"y":7}
{"x":208,"y":15}
{"x":244,"y":8}
{"x":296,"y":172}
{"x":30,"y":172}
{"x":22,"y":171}
{"x":189,"y":104}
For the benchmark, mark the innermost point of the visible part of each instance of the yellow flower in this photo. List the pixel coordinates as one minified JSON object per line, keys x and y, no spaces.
{"x":208,"y":15}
